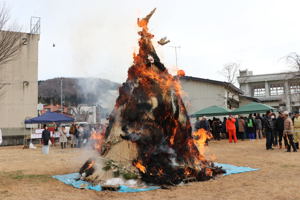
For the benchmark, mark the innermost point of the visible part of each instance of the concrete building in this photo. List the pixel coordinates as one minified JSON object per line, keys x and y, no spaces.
{"x":54,"y":108}
{"x":246,"y":100}
{"x":280,"y":90}
{"x":201,"y":93}
{"x":19,"y":90}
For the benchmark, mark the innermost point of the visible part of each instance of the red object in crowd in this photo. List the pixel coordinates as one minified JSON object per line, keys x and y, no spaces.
{"x":230,"y":127}
{"x":51,"y":128}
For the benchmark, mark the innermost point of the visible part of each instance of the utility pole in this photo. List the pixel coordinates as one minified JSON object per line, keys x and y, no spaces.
{"x":61,"y":95}
{"x":175,"y":48}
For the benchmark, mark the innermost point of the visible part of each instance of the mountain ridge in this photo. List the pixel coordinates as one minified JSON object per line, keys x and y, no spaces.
{"x":79,"y":90}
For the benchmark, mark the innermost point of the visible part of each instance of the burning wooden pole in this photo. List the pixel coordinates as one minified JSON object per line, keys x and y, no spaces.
{"x":151,"y":120}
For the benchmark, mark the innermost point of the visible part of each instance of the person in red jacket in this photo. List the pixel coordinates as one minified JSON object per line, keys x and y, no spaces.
{"x":230,"y":127}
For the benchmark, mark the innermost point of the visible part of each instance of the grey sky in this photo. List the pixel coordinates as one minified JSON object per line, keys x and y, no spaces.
{"x":97,"y":38}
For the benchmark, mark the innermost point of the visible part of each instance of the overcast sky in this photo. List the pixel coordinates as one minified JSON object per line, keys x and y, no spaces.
{"x":96,"y":38}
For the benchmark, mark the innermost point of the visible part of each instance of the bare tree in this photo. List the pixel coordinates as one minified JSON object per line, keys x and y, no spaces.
{"x":10,"y":37}
{"x":230,"y":72}
{"x":10,"y":40}
{"x":294,"y":59}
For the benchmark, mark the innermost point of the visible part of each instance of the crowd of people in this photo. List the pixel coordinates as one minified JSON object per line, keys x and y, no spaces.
{"x":78,"y":136}
{"x":281,"y":129}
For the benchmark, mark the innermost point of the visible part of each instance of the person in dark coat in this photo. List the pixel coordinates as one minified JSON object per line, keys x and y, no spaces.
{"x":203,"y":123}
{"x":268,"y":125}
{"x":45,"y":139}
{"x":275,"y":132}
{"x":236,"y":125}
{"x":224,"y":131}
{"x":219,"y":128}
{"x":215,"y":128}
{"x":279,"y":126}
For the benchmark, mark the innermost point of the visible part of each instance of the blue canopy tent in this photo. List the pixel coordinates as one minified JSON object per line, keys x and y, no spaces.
{"x":49,"y":117}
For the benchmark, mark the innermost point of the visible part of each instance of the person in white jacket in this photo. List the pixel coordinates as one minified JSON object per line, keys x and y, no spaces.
{"x":63,"y":137}
{"x":0,"y":136}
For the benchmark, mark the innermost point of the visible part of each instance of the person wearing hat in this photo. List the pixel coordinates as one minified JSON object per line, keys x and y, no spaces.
{"x":296,"y":121}
{"x":288,"y":131}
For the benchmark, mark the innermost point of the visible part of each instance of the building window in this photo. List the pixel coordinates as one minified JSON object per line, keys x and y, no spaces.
{"x":259,"y":92}
{"x":295,"y":88}
{"x":276,"y":90}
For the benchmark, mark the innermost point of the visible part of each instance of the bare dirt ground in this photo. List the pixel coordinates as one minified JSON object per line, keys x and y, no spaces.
{"x":26,"y":174}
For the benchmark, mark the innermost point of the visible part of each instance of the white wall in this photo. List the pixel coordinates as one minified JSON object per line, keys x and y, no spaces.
{"x":199,"y":95}
{"x":19,"y":96}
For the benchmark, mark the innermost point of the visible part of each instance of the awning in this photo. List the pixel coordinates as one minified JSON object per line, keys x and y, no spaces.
{"x":253,"y":108}
{"x":211,"y":111}
{"x":49,"y":117}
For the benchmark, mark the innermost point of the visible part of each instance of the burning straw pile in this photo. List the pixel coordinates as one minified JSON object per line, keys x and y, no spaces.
{"x":149,"y":134}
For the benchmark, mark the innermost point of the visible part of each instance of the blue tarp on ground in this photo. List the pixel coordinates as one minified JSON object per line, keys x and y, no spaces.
{"x":49,"y":117}
{"x":70,"y":179}
{"x":232,"y":169}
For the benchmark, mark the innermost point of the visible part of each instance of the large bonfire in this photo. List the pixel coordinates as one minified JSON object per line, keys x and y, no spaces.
{"x":149,"y":132}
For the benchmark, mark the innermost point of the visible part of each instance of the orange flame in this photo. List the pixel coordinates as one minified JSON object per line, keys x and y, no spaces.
{"x":98,"y":139}
{"x":144,"y":72}
{"x":180,"y":73}
{"x":200,"y":137}
{"x":141,"y":167}
{"x":174,"y":132}
{"x":187,"y":172}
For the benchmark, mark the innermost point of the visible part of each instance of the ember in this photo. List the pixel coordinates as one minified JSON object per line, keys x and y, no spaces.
{"x":150,"y":114}
{"x":180,"y":73}
{"x":140,"y":166}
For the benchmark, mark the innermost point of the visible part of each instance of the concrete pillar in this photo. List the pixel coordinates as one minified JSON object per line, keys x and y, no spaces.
{"x":267,"y":88}
{"x":248,"y":91}
{"x":245,"y":87}
{"x":225,"y":98}
{"x":287,"y":95}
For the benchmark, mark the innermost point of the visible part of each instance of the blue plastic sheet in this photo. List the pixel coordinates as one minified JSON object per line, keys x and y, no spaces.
{"x":72,"y":179}
{"x":232,"y":169}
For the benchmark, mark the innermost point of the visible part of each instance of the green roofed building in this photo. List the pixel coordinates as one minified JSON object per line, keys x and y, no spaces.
{"x":201,"y":93}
